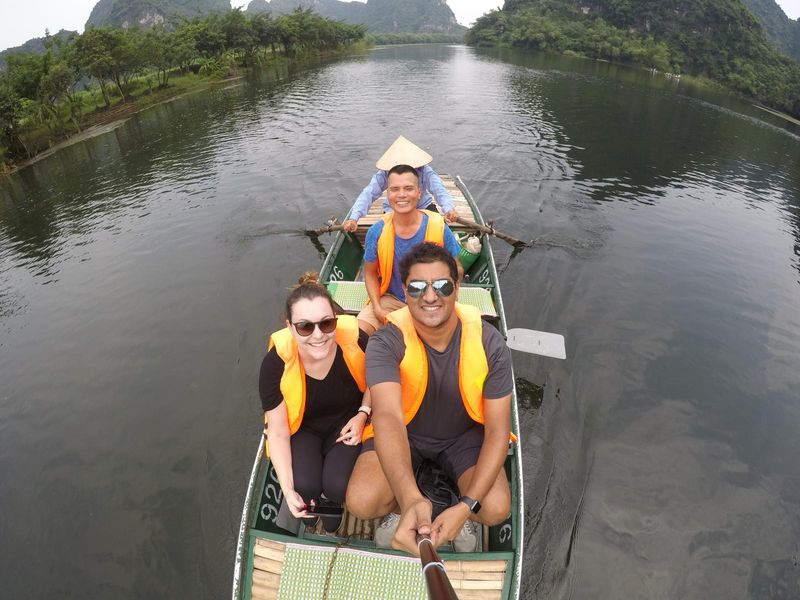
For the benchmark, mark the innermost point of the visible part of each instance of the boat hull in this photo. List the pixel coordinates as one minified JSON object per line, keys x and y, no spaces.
{"x":269,"y":556}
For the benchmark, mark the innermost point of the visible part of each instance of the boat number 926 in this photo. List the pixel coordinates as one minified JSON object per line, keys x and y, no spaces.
{"x":273,"y":495}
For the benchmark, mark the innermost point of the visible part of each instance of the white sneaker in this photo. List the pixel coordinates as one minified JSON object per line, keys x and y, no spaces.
{"x":469,"y":538}
{"x":386,"y":530}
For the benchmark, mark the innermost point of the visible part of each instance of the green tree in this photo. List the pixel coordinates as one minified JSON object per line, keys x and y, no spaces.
{"x":105,"y":54}
{"x":239,"y":35}
{"x":10,"y":112}
{"x":209,"y":39}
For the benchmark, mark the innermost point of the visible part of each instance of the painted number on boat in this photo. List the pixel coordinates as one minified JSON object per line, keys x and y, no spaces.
{"x":273,"y":496}
{"x":336,"y":274}
{"x":505,"y":533}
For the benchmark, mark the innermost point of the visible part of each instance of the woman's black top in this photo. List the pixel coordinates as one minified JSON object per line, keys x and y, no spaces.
{"x":330,"y":402}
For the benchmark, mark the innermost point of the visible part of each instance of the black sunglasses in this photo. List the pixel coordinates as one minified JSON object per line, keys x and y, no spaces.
{"x":306,"y":328}
{"x":442,"y":287}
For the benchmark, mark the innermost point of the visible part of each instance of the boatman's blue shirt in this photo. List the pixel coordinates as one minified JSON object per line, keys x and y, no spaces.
{"x":401,"y":247}
{"x":429,"y":183}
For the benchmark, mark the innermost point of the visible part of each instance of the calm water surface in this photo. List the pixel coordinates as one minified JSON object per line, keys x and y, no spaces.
{"x":140,"y":272}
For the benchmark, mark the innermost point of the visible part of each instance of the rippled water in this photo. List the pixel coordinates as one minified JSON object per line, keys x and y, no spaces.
{"x":141,"y":270}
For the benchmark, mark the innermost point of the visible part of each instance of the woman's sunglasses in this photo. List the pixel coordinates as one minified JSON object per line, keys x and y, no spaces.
{"x":442,"y":287}
{"x":306,"y":328}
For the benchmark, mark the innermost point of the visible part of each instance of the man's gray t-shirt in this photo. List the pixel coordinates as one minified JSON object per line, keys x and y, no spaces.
{"x":442,"y":416}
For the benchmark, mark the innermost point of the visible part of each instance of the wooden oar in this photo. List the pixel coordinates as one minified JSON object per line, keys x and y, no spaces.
{"x":491,"y":231}
{"x":537,"y":342}
{"x":439,"y":586}
{"x":327,"y":229}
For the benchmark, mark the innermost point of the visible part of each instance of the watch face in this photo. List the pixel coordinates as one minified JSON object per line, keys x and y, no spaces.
{"x":474,"y":505}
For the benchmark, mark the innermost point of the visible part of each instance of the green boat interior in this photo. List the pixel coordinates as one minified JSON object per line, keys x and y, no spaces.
{"x":329,"y":564}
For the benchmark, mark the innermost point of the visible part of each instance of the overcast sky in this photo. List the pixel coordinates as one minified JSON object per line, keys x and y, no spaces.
{"x":25,"y":19}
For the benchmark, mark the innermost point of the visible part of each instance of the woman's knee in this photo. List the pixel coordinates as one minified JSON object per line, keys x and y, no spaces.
{"x":337,"y":470}
{"x":335,"y":488}
{"x":307,"y":487}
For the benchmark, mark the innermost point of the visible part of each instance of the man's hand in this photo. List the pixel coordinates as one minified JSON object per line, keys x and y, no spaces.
{"x":451,"y":215}
{"x":380,"y":312}
{"x":415,"y":518}
{"x":350,"y":225}
{"x":449,"y":523}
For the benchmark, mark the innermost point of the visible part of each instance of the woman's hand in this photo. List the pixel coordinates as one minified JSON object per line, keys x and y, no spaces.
{"x":296,"y":504}
{"x":350,"y":435}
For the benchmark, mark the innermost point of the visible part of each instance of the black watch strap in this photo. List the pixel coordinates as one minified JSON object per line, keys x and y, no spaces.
{"x":474,"y":505}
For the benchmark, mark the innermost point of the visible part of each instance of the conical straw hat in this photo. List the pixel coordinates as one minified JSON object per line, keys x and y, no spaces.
{"x":403,"y":152}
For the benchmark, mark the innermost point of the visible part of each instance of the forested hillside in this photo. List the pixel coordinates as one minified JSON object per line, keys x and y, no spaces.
{"x":717,"y":39}
{"x":379,"y":16}
{"x":42,"y":103}
{"x":781,"y":31}
{"x":33,"y":46}
{"x":126,"y":13}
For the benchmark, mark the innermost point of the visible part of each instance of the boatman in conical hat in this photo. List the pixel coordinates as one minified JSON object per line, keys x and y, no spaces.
{"x":390,"y":238}
{"x":403,"y":152}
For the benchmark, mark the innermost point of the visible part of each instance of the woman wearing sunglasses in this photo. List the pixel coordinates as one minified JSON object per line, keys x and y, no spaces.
{"x":315,"y":400}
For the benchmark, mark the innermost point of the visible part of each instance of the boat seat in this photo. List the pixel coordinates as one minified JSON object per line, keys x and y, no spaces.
{"x":297,"y":570}
{"x":351,"y":296}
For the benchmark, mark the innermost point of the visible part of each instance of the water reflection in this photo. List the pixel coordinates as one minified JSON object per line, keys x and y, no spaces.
{"x":682,"y":361}
{"x":659,"y":458}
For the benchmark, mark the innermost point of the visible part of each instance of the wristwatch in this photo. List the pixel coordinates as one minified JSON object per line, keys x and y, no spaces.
{"x":474,"y":505}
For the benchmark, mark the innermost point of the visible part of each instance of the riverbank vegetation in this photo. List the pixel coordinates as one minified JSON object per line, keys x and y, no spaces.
{"x":716,"y":39}
{"x":386,"y":39}
{"x":107,"y":72}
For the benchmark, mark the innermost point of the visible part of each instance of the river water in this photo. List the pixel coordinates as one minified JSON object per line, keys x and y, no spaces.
{"x":141,"y":270}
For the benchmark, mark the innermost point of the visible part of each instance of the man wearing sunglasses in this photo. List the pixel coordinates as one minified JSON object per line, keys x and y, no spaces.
{"x":390,"y":238}
{"x":441,"y":383}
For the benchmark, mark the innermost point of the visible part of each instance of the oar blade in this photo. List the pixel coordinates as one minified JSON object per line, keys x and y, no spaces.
{"x":537,"y":342}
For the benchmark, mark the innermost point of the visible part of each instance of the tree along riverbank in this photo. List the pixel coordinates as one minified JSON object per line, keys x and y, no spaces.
{"x":128,"y":70}
{"x":719,"y":40}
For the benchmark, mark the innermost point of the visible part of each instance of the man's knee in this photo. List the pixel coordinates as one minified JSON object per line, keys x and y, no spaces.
{"x":366,"y":327}
{"x":496,"y":506}
{"x":368,"y":493}
{"x":494,"y":512}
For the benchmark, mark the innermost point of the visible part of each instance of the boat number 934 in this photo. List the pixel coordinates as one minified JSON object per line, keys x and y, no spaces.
{"x":336,"y":274}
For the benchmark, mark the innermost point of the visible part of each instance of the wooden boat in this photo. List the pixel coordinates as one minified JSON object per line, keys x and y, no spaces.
{"x":308,"y":564}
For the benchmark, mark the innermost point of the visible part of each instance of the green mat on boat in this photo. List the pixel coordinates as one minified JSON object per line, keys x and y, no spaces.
{"x":352,"y":296}
{"x":350,"y":574}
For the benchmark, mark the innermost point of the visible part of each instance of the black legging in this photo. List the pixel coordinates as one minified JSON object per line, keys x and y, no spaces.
{"x":320,"y":465}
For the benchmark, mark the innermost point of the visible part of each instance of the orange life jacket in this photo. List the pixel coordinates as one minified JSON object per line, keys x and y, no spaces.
{"x":472,"y":364}
{"x":434,"y":232}
{"x":293,"y":381}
